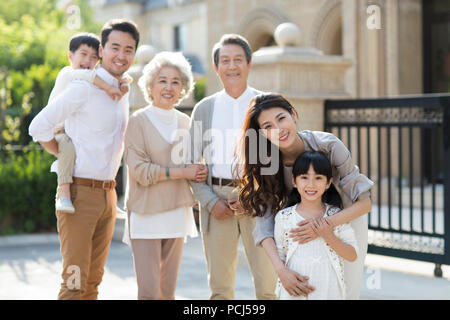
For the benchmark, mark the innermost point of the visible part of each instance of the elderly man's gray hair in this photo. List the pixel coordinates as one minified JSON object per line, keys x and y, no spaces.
{"x":167,"y":59}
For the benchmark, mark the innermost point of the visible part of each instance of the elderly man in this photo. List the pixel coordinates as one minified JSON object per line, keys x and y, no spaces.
{"x":215,"y":125}
{"x":96,"y":124}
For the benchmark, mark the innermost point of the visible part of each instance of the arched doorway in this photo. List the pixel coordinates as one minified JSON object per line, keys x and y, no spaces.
{"x":259,"y":25}
{"x":327,"y":29}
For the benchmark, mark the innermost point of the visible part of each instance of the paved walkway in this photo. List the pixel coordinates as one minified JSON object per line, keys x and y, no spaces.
{"x":30,"y":268}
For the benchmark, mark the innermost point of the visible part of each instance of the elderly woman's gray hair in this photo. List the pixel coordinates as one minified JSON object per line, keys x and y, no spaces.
{"x":167,"y":59}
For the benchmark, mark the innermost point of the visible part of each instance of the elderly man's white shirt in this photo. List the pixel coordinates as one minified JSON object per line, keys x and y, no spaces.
{"x":95,"y":123}
{"x":228,"y":119}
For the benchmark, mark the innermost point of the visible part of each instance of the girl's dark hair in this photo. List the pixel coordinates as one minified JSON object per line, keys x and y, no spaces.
{"x":260,"y":191}
{"x":321,"y":165}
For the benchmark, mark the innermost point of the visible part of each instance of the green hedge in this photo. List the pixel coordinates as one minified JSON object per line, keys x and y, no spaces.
{"x":27,"y":191}
{"x":200,"y":89}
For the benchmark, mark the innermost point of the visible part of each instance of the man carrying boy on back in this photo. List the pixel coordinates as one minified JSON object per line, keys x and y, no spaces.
{"x":96,"y":125}
{"x":83,"y":57}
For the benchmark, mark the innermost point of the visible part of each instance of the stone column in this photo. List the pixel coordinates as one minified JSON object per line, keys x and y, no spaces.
{"x":303,"y":75}
{"x":144,"y":54}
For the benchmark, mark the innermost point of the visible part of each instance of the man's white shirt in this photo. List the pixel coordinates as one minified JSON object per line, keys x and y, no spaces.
{"x":95,"y":123}
{"x":228,"y":119}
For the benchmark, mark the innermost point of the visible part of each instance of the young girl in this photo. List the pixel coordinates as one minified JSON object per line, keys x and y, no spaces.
{"x":320,"y":260}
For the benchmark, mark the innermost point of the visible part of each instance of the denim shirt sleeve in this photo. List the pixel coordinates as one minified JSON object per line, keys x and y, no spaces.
{"x":264,"y":227}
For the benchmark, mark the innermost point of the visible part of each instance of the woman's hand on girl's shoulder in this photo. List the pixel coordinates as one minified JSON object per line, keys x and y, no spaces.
{"x":304,"y":233}
{"x":323,"y":228}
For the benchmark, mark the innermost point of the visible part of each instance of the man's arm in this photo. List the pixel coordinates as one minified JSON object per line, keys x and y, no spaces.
{"x":202,"y":191}
{"x":59,"y":109}
{"x":50,"y":146}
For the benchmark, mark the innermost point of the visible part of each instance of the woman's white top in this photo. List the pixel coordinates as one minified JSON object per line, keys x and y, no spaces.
{"x":315,"y":259}
{"x":177,"y":223}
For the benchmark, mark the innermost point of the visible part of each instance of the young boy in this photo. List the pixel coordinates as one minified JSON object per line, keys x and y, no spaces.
{"x":83,"y":57}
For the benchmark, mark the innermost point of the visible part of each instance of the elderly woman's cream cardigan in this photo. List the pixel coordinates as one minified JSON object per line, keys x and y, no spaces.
{"x":147,"y":154}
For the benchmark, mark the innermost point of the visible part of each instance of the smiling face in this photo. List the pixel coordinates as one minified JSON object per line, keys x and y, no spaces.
{"x":85,"y":57}
{"x":278,"y":126}
{"x":166,"y":87}
{"x":232,"y":67}
{"x":311,"y":185}
{"x":118,"y":53}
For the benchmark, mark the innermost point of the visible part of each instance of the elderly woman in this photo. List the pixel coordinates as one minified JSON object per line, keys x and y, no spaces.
{"x":158,"y":197}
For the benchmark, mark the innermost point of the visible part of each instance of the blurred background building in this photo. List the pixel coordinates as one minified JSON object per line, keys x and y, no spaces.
{"x":408,"y":54}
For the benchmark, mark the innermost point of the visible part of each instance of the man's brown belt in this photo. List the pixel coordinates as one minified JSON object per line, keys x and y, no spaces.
{"x":224,"y":182}
{"x":106,"y":185}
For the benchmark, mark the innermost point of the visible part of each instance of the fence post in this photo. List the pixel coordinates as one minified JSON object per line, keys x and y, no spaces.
{"x":445,"y":102}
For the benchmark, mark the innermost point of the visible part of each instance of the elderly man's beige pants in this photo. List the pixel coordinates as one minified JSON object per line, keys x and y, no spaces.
{"x":220,"y":244}
{"x":85,"y":238}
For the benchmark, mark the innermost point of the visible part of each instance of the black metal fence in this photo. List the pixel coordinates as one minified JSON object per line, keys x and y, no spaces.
{"x":403,"y":145}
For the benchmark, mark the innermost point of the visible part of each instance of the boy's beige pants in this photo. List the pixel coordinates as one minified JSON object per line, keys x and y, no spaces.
{"x":85,"y":238}
{"x":66,"y":158}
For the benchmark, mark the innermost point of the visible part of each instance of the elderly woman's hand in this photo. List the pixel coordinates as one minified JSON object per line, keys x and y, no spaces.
{"x":202,"y":173}
{"x":196,"y":172}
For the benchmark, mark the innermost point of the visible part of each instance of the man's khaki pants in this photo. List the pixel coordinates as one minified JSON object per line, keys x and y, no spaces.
{"x":85,"y":238}
{"x":220,"y":244}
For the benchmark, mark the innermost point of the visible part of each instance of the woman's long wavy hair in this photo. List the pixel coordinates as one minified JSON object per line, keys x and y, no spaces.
{"x":259,"y":192}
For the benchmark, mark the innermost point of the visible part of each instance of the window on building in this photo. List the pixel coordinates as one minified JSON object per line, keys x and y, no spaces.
{"x":179,"y":37}
{"x":436,"y":46}
{"x":436,"y":70}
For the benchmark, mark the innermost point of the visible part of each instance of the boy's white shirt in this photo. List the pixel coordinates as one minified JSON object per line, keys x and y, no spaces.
{"x":95,"y":123}
{"x":65,"y":76}
{"x":68,"y":74}
{"x":285,"y":221}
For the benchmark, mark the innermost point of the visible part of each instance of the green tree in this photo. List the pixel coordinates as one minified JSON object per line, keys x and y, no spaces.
{"x":34,"y":37}
{"x":34,"y":40}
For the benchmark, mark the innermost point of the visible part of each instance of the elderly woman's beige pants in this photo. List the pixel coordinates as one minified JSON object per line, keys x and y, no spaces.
{"x":156,"y":263}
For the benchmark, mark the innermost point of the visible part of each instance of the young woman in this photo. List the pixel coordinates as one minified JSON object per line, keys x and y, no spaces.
{"x":263,"y":194}
{"x":321,"y":260}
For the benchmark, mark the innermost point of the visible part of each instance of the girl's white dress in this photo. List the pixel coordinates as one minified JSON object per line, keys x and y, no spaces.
{"x":315,"y":259}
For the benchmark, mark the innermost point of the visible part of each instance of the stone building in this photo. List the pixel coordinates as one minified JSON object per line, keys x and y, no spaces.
{"x":401,"y":53}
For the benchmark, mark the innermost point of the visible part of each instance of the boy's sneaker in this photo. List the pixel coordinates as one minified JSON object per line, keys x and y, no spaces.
{"x":65,"y":205}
